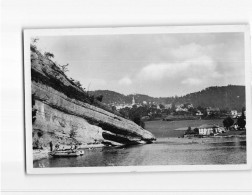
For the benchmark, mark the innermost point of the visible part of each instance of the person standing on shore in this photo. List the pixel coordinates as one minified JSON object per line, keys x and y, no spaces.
{"x":57,"y":146}
{"x":51,"y":146}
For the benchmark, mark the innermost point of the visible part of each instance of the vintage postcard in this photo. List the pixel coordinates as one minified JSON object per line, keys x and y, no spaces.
{"x":137,"y":99}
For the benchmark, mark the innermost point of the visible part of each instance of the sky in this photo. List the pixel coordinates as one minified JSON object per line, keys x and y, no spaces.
{"x":159,"y":65}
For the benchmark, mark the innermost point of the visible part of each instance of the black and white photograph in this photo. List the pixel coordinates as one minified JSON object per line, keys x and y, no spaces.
{"x":137,"y":99}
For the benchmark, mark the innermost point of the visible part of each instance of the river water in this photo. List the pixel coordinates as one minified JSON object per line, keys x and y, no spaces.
{"x":167,"y":150}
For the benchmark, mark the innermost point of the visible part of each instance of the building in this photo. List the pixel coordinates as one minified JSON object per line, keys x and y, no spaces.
{"x":167,"y":106}
{"x":199,"y":113}
{"x":183,"y":107}
{"x":190,"y":106}
{"x":212,"y":110}
{"x":133,"y":101}
{"x":203,"y":130}
{"x":210,"y":129}
{"x":239,"y":114}
{"x":145,"y":103}
{"x":234,"y":113}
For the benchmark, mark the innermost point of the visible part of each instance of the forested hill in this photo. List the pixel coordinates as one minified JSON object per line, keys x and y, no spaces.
{"x":110,"y":97}
{"x":231,"y":97}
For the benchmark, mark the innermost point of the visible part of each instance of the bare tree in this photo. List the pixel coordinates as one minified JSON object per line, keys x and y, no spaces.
{"x":34,"y":39}
{"x":33,"y":44}
{"x":64,"y":67}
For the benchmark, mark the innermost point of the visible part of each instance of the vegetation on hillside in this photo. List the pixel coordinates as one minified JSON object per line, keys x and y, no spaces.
{"x":231,"y":97}
{"x":240,"y":123}
{"x":224,"y":97}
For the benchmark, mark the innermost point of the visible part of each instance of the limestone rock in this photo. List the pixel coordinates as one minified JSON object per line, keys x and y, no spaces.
{"x":66,"y":114}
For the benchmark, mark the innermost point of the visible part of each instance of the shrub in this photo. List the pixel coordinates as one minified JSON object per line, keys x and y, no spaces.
{"x":228,"y":122}
{"x":40,"y":133}
{"x":137,"y":119}
{"x":142,"y":124}
{"x":64,"y":68}
{"x":92,"y":98}
{"x":189,"y":131}
{"x":33,"y":48}
{"x":241,"y":122}
{"x":72,"y":133}
{"x":36,"y":144}
{"x":77,"y":83}
{"x":49,"y":55}
{"x":99,"y":98}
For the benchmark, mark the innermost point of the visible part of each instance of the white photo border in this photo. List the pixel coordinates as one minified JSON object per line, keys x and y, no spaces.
{"x":28,"y":33}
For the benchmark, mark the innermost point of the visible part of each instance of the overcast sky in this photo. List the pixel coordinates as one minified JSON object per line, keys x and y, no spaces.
{"x":156,"y":65}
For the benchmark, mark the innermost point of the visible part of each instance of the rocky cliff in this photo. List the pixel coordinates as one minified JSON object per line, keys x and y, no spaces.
{"x":63,"y":112}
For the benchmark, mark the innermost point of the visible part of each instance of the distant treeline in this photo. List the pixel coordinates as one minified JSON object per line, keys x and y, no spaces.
{"x":224,"y":97}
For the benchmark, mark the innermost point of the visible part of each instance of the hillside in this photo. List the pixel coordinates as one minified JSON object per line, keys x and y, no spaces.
{"x":111,"y":96}
{"x":224,"y":97}
{"x":62,"y":112}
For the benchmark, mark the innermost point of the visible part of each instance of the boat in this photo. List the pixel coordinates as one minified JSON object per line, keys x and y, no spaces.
{"x":66,"y":153}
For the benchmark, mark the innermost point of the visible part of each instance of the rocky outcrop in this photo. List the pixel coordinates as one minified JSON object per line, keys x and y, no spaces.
{"x":65,"y":113}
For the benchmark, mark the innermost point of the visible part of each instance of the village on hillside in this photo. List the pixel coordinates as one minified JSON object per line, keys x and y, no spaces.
{"x":233,"y":120}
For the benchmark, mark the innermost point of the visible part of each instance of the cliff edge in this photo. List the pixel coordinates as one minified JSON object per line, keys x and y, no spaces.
{"x":65,"y":113}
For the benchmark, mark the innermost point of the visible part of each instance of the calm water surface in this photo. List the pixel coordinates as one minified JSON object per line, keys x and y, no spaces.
{"x":167,"y":150}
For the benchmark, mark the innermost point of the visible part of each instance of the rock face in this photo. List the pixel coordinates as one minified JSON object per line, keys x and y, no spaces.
{"x":64,"y":113}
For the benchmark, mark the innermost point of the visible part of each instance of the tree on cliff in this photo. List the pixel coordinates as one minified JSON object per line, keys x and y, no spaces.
{"x":33,"y":46}
{"x":49,"y":55}
{"x":34,"y":40}
{"x":77,"y":83}
{"x":228,"y":122}
{"x":64,"y":68}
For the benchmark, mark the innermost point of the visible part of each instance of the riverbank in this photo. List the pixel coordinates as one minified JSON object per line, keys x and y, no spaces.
{"x":167,"y":128}
{"x":39,"y":154}
{"x":233,"y":133}
{"x":180,"y":118}
{"x":185,"y":117}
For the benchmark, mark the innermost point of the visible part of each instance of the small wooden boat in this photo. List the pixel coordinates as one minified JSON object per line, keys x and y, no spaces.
{"x":66,"y":153}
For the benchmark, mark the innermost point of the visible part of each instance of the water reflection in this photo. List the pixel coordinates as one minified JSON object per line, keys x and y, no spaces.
{"x":172,"y":151}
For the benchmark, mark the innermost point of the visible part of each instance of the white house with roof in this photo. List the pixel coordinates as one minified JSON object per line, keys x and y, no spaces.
{"x":167,"y":106}
{"x":210,"y":129}
{"x":199,"y":113}
{"x":211,"y":110}
{"x":190,"y":106}
{"x":234,"y":113}
{"x":203,"y":130}
{"x":181,"y":108}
